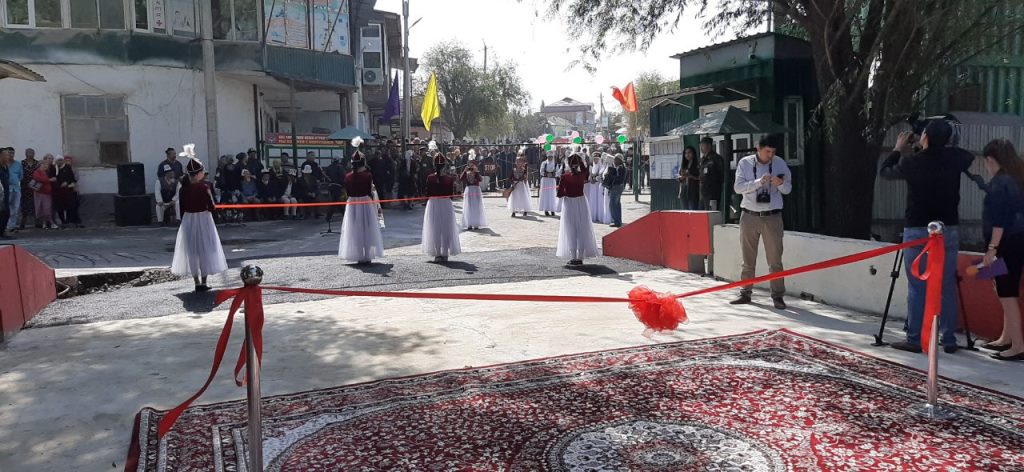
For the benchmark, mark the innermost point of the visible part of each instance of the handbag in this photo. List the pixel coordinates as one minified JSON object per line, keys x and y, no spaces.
{"x":507,"y":192}
{"x":35,"y":185}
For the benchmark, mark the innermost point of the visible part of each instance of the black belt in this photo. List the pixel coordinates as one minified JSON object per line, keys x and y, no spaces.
{"x":762,"y":213}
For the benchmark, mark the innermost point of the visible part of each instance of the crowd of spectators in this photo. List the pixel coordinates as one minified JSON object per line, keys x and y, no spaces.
{"x":44,"y":192}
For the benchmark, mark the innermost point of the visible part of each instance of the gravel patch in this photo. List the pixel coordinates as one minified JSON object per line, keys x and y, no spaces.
{"x":394,"y":273}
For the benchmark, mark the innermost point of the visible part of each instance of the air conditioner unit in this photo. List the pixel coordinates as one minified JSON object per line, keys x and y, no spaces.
{"x":373,"y":77}
{"x":372,"y":44}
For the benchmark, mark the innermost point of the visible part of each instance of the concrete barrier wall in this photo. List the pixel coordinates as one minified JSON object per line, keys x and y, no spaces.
{"x":852,"y":286}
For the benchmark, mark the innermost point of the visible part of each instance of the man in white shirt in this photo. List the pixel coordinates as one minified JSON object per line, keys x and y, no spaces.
{"x":762,"y":179}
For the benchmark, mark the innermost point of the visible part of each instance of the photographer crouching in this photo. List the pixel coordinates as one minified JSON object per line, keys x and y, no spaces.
{"x":933,"y":194}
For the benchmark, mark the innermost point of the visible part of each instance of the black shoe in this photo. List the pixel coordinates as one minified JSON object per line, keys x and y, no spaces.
{"x":742,"y":300}
{"x":996,"y":347}
{"x":780,"y":304}
{"x":907,"y":346}
{"x":513,"y":214}
{"x":1015,"y":357}
{"x":950,"y":348}
{"x":202,"y":288}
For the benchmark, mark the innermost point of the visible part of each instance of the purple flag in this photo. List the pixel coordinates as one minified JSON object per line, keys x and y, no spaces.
{"x":394,"y":107}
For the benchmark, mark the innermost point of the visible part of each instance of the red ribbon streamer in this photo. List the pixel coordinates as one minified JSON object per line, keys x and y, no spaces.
{"x":241,"y":206}
{"x":657,"y":311}
{"x":936,"y":251}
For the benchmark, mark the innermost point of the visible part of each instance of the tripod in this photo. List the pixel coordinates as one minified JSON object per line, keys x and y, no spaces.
{"x":895,"y":274}
{"x":897,"y":263}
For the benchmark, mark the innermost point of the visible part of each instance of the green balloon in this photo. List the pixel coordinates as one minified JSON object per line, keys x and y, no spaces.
{"x":622,"y":139}
{"x":549,"y":138}
{"x":547,"y":147}
{"x":577,"y":140}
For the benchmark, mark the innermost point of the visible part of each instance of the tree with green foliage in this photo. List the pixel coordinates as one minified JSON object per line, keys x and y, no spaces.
{"x":875,"y":62}
{"x":469,"y":96}
{"x":648,"y":84}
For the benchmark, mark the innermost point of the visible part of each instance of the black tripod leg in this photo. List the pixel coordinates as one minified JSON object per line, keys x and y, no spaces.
{"x":963,"y":311}
{"x":895,"y":274}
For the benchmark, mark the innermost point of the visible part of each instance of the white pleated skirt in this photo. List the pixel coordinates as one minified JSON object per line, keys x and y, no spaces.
{"x":575,"y":234}
{"x":440,"y":230}
{"x":606,"y":209}
{"x":473,"y":208}
{"x":548,"y":200}
{"x":592,"y":192}
{"x":197,"y":251}
{"x":520,"y":198}
{"x":361,"y":240}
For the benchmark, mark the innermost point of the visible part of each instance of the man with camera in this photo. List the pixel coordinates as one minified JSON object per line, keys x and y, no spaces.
{"x":762,"y":179}
{"x":933,"y":194}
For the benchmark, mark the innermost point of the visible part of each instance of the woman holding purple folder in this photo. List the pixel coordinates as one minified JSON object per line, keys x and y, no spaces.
{"x":1003,"y":221}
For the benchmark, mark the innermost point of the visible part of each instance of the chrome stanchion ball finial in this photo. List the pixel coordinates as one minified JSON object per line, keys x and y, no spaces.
{"x":936,"y":227}
{"x":252,"y":275}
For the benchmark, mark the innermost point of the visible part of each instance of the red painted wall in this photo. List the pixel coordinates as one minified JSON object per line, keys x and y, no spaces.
{"x":664,"y":238}
{"x":24,"y":291}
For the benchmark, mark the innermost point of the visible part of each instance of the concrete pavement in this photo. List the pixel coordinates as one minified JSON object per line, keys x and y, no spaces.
{"x":68,"y":394}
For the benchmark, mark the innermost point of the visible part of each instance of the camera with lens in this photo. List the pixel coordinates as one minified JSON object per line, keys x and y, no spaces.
{"x":918,"y":125}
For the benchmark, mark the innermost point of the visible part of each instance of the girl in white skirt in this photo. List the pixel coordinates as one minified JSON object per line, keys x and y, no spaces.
{"x":519,"y":200}
{"x":361,"y":240}
{"x":197,"y":251}
{"x":440,"y":230}
{"x":575,"y":234}
{"x":472,"y":199}
{"x":548,"y":201}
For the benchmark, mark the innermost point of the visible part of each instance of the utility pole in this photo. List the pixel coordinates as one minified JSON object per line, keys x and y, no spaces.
{"x":407,"y":88}
{"x":485,"y":57}
{"x":209,"y":83}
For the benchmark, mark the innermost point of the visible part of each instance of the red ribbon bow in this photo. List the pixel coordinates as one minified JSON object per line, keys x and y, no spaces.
{"x":252,"y":297}
{"x":936,"y":252}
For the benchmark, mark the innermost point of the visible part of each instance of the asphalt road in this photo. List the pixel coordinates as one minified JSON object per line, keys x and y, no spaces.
{"x":391,"y":273}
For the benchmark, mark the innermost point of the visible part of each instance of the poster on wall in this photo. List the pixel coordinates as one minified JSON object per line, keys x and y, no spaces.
{"x":665,"y":167}
{"x":296,"y":21}
{"x":331,"y":26}
{"x":275,"y":22}
{"x":184,"y":17}
{"x":158,"y":15}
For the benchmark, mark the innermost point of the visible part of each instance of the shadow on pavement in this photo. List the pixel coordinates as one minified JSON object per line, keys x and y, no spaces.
{"x":372,"y":268}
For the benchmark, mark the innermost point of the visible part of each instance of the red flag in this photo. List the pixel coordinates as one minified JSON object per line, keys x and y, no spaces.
{"x":631,"y":104}
{"x":627,"y":99}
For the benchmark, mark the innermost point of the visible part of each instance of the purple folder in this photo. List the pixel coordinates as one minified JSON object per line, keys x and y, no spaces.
{"x":997,"y":268}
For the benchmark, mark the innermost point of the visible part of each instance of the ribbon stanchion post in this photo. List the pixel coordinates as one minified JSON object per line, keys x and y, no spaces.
{"x":936,"y":253}
{"x":251,"y":277}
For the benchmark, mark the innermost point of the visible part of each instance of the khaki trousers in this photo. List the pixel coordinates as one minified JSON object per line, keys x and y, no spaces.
{"x":752,"y":229}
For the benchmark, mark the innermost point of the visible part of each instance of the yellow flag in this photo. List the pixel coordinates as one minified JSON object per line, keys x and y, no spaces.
{"x":431,"y":105}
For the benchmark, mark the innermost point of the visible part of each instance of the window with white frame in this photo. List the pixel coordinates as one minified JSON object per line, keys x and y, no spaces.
{"x":96,"y":14}
{"x":95,"y":129}
{"x":793,"y":116}
{"x":235,"y":20}
{"x":150,"y":15}
{"x":34,"y":13}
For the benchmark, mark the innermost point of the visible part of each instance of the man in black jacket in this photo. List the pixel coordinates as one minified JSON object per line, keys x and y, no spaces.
{"x":615,"y":179}
{"x":933,"y":194}
{"x":712,"y":175}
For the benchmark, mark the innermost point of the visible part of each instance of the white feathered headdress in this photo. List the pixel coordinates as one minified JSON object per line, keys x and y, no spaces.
{"x":357,"y":141}
{"x":188,"y":150}
{"x":432,"y":146}
{"x":472,"y":154}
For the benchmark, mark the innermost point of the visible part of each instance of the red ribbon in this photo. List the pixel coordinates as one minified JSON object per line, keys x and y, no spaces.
{"x":658,"y":311}
{"x":242,"y":206}
{"x":932,"y":276}
{"x":252,"y":297}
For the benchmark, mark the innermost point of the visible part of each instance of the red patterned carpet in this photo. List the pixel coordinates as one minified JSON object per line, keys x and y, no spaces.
{"x":765,"y":401}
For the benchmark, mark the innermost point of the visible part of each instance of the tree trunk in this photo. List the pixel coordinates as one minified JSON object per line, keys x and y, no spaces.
{"x":850,"y":170}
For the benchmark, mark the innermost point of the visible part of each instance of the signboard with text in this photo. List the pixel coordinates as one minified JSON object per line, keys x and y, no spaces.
{"x":302,"y":140}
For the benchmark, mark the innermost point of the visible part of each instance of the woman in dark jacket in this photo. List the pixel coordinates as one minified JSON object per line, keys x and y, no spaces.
{"x":1003,"y":225}
{"x":65,"y":193}
{"x":689,"y":180}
